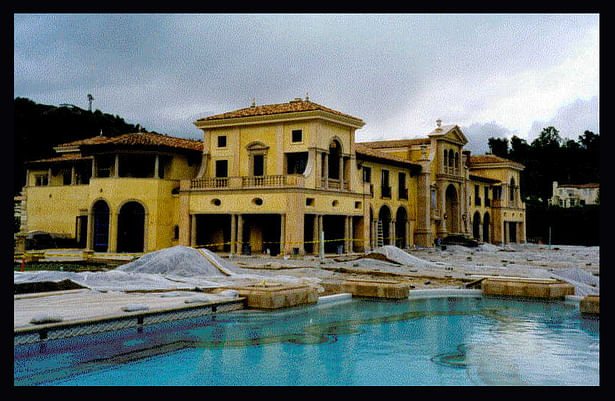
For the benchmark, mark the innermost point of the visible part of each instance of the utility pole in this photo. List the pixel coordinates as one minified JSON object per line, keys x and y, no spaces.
{"x":90,"y":98}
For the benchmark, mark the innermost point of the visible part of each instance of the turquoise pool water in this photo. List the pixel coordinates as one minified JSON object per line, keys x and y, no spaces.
{"x":437,"y":341}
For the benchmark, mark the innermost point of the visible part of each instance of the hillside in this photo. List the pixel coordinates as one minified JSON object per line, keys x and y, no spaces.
{"x":39,"y":127}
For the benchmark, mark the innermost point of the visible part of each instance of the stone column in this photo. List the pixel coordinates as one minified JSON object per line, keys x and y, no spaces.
{"x":49,"y":174}
{"x":113,"y":234}
{"x":284,"y":249}
{"x":116,"y":166}
{"x":72,"y":175}
{"x":93,"y":167}
{"x":346,"y":234}
{"x":351,"y":236}
{"x":374,"y":239}
{"x":157,"y":167}
{"x":326,"y":169}
{"x":423,"y":210}
{"x":315,"y":234}
{"x":407,"y":234}
{"x":321,"y":245}
{"x":233,"y":234}
{"x":193,"y":230}
{"x":392,"y":232}
{"x":239,"y":233}
{"x":341,"y":172}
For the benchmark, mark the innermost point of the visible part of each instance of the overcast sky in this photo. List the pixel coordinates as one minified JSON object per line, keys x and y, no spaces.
{"x":493,"y":75}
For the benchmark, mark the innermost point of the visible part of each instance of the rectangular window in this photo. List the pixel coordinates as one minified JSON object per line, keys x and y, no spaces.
{"x":402,"y":190}
{"x":367,"y":174}
{"x":41,"y":180}
{"x":297,"y":135}
{"x":309,"y":201}
{"x":258,"y":165}
{"x":487,"y":201}
{"x":385,"y":188}
{"x":222,"y":141}
{"x":221,"y":168}
{"x":476,"y":195}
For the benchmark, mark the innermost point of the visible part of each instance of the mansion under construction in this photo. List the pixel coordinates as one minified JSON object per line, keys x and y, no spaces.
{"x":281,"y":178}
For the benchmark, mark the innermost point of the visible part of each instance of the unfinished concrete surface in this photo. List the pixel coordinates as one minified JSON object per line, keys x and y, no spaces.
{"x":277,"y":295}
{"x":590,"y":305}
{"x":526,"y":288}
{"x":385,"y":289}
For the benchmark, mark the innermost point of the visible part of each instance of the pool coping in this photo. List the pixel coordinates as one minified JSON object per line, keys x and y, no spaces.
{"x":137,"y":319}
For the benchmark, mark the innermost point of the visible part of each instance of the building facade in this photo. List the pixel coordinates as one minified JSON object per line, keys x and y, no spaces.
{"x":571,"y":195}
{"x":284,"y":178}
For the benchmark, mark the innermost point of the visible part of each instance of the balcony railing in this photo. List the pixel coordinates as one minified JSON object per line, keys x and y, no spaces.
{"x":265,"y":181}
{"x":332,"y":183}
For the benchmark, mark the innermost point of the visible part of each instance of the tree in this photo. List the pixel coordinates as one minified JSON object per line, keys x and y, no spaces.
{"x":498,"y":146}
{"x":590,"y":141}
{"x":548,"y":139}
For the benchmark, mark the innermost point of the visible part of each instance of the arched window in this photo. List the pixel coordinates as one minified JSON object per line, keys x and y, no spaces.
{"x":445,"y":157}
{"x":451,"y":158}
{"x":456,"y":160}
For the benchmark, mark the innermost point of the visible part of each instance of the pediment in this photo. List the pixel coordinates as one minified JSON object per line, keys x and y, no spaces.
{"x":450,"y":132}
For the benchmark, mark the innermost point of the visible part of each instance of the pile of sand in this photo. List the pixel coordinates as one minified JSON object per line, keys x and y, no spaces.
{"x":396,"y":255}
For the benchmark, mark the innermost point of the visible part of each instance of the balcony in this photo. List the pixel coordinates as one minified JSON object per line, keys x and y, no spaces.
{"x":332,"y":183}
{"x":246,"y":182}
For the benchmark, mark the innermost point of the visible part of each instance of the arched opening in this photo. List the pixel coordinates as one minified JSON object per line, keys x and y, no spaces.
{"x":451,"y":158}
{"x":476,"y":226}
{"x":131,"y":228}
{"x":100,"y":211}
{"x":452,"y":209}
{"x":486,"y":237}
{"x":384,"y":219}
{"x":401,"y":222}
{"x":335,"y":152}
{"x":456,"y":160}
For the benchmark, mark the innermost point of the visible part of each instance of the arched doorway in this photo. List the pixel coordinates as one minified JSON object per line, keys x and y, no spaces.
{"x":486,"y":237}
{"x":384,"y":218}
{"x":452,"y":207}
{"x":100,"y":212}
{"x":401,"y":220}
{"x":131,"y":227}
{"x":476,"y":226}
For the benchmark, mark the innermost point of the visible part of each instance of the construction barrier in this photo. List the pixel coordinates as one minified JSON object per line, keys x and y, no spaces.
{"x":24,"y":257}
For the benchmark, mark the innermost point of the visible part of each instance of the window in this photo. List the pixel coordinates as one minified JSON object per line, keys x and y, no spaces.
{"x":309,"y":202}
{"x":297,"y":135}
{"x":476,"y":195}
{"x":41,"y":180}
{"x":357,"y":205}
{"x":66,"y":177}
{"x":385,"y":188}
{"x":222,"y":141}
{"x":487,"y":202}
{"x":433,"y":198}
{"x":367,"y":174}
{"x":176,"y":232}
{"x":259,"y":165}
{"x":402,"y":190}
{"x":221,"y":168}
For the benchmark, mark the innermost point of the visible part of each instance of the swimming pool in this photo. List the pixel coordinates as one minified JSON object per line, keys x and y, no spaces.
{"x":433,"y":341}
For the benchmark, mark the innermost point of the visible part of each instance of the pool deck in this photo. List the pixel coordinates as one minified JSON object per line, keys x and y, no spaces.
{"x":83,"y":305}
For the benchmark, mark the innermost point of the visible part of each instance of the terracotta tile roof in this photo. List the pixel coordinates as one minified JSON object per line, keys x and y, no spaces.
{"x":65,"y":157}
{"x":297,"y":105}
{"x":142,"y":138}
{"x":361,"y":149}
{"x":396,"y":143}
{"x":490,"y":159}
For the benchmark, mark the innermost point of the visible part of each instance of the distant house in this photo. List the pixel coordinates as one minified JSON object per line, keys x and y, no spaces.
{"x":569,"y":195}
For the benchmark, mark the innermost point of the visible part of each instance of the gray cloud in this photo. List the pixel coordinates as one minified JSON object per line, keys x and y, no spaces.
{"x":572,"y":120}
{"x":164,"y":71}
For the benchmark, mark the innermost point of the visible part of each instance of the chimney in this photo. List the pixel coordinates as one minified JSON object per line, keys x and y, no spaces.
{"x":253,"y":102}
